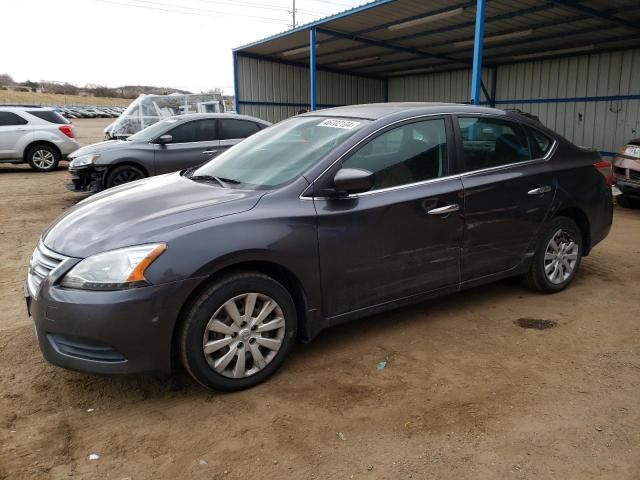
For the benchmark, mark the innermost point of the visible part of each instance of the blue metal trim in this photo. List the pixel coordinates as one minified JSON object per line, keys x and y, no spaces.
{"x":390,"y":46}
{"x":312,"y":68}
{"x":607,"y":98}
{"x":337,"y":16}
{"x":592,"y":12}
{"x":287,"y":104}
{"x":476,"y":73}
{"x":607,"y":154}
{"x":305,"y":65}
{"x":236,"y":90}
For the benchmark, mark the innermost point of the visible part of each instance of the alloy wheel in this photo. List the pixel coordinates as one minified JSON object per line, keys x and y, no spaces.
{"x":43,"y":159}
{"x":244,"y":335}
{"x":561,"y":257}
{"x":126,"y":176}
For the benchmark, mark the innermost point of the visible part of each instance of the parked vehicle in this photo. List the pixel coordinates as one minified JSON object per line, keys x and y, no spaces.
{"x":149,"y":109}
{"x":323,"y":218}
{"x":173,"y":144}
{"x":626,"y":170}
{"x":38,"y":136}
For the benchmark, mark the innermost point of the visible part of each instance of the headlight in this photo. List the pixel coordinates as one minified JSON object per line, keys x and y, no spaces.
{"x":83,"y":160}
{"x":114,"y":270}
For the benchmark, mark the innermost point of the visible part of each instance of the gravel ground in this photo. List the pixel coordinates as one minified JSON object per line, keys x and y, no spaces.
{"x":466,"y":393}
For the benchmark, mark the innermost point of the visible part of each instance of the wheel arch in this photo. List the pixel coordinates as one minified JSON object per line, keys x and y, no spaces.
{"x":582,"y":220}
{"x":121,"y":163}
{"x":272,"y":269}
{"x":35,"y":143}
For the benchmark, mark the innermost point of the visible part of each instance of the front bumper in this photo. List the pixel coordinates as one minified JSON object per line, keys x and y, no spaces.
{"x":629,"y":189}
{"x":86,"y":179}
{"x":108,"y":332}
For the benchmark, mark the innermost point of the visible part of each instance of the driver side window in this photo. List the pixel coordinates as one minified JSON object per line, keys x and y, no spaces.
{"x":408,"y":154}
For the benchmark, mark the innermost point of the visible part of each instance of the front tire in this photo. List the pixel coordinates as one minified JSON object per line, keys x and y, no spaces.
{"x":624,"y":201}
{"x":238,"y":331}
{"x":557,"y":257}
{"x":43,"y":158}
{"x":123,"y":174}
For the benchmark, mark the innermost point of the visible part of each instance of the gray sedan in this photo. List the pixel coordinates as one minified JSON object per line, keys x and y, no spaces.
{"x":173,"y":144}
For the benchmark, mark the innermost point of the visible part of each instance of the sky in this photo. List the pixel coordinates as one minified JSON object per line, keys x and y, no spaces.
{"x":169,"y":43}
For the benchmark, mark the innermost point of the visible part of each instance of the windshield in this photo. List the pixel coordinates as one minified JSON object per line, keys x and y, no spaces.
{"x":153,"y":131}
{"x":280,"y":153}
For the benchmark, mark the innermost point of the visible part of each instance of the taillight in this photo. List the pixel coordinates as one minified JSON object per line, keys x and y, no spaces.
{"x":605,"y":169}
{"x":67,"y":130}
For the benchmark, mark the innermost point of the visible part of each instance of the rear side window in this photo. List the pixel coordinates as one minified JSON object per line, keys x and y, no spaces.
{"x":539,"y":142}
{"x":10,"y":118}
{"x":48,"y":116}
{"x":232,"y":129}
{"x":491,"y":142}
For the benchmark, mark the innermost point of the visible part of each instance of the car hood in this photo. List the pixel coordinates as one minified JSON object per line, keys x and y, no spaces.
{"x":145,"y":211}
{"x":102,"y":147}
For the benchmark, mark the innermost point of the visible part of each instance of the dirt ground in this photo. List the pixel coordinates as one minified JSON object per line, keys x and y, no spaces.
{"x":466,"y":393}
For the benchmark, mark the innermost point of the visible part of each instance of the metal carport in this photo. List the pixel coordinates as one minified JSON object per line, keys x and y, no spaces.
{"x":575,"y":64}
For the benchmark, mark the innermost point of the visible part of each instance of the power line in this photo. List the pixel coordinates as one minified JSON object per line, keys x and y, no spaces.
{"x":193,"y":11}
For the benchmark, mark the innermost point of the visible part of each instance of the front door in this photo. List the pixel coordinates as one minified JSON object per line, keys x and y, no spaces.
{"x":403,"y":237}
{"x":508,"y":193}
{"x":193,"y":144}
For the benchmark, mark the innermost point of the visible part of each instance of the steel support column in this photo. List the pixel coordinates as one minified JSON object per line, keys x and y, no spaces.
{"x":476,"y":74}
{"x":236,"y":92}
{"x":312,"y":68}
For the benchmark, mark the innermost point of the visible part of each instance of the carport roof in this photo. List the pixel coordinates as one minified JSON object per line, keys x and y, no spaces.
{"x":386,"y":38}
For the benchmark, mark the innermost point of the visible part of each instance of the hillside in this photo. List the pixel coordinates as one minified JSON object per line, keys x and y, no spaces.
{"x":32,"y":98}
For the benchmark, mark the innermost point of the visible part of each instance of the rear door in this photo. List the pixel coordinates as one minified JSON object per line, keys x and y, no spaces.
{"x":508,"y":191}
{"x":234,"y":130}
{"x":13,"y":129}
{"x":194,"y":143}
{"x":403,"y":237}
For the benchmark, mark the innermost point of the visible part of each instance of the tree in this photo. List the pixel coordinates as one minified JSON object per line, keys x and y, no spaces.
{"x":6,"y":80}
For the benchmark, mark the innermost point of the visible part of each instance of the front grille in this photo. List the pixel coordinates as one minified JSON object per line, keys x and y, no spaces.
{"x":86,"y":349}
{"x":42,"y":263}
{"x":634,"y":175}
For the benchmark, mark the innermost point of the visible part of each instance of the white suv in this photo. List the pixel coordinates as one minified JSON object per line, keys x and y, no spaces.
{"x":38,"y":136}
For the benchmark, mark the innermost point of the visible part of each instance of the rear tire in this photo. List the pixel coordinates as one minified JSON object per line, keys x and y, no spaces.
{"x":557,"y":258}
{"x":237,"y":350}
{"x":43,"y":158}
{"x":123,"y":174}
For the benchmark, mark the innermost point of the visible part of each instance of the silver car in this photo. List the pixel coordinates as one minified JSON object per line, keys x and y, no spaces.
{"x":173,"y":144}
{"x":38,"y":136}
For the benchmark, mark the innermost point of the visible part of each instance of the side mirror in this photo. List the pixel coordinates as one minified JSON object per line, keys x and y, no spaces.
{"x":353,"y":180}
{"x":164,"y":139}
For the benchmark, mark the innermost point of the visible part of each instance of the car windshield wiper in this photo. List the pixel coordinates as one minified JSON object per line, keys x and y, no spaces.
{"x":208,"y":178}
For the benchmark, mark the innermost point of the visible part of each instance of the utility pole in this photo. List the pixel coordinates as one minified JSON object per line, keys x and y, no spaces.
{"x":293,"y":13}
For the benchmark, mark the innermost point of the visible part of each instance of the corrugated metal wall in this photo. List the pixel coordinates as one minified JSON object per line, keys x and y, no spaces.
{"x":274,"y":91}
{"x":593,"y":100}
{"x":433,"y":87}
{"x":598,"y":114}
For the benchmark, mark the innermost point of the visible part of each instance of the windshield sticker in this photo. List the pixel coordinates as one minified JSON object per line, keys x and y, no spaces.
{"x":335,"y":123}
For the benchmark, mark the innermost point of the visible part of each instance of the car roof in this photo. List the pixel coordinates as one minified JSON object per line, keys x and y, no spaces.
{"x":198,"y":116}
{"x":374,"y":111}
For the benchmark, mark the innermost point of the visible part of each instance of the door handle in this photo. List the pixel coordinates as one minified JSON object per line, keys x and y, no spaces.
{"x":540,"y":190}
{"x":444,"y":210}
{"x":210,"y":151}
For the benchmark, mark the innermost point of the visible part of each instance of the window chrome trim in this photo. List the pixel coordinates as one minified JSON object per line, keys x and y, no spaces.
{"x":307,"y":197}
{"x":546,"y":158}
